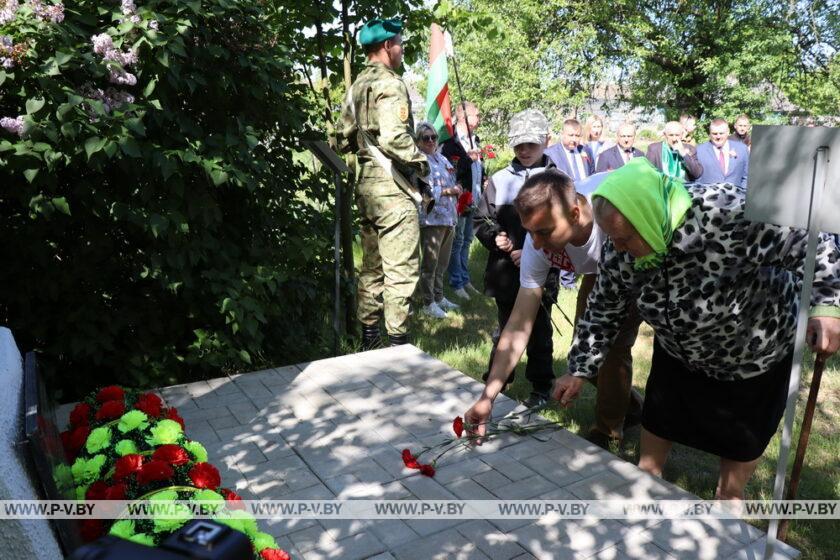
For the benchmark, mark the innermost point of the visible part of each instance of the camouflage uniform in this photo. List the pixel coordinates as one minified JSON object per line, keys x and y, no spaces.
{"x":390,"y":229}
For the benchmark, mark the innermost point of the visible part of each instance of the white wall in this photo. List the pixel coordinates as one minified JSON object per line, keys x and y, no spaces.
{"x":18,"y":538}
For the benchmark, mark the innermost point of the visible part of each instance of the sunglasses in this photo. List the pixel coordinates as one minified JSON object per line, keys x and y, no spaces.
{"x":428,"y":138}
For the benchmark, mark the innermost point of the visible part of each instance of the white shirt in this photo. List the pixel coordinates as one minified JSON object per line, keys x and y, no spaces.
{"x":534,"y":266}
{"x":575,"y":159}
{"x":725,"y":150}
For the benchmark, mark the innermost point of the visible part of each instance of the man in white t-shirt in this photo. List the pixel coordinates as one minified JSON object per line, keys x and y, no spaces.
{"x":563,"y":234}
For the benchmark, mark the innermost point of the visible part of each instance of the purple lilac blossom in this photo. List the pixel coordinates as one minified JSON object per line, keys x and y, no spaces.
{"x":102,"y":43}
{"x":15,"y":126}
{"x":154,"y":25}
{"x":128,"y":7}
{"x":121,"y":77}
{"x":8,"y":11}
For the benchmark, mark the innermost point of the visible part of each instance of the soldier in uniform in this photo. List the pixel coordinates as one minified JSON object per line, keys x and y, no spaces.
{"x":378,"y":112}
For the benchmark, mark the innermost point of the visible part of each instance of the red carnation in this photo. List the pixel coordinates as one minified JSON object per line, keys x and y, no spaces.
{"x":410,"y":460}
{"x":110,"y":393}
{"x":427,"y":470}
{"x":274,"y":554}
{"x":116,"y":492}
{"x":92,"y":529}
{"x":150,"y":404}
{"x":234,"y":500}
{"x":172,"y":454}
{"x":464,"y":202}
{"x":80,"y":416}
{"x":96,"y":491}
{"x":205,"y":475}
{"x":110,"y":410}
{"x":74,"y":440}
{"x":154,"y":471}
{"x":458,"y":426}
{"x":127,"y":465}
{"x":172,"y":414}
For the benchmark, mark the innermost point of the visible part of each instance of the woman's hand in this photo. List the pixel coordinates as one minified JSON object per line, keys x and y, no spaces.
{"x":823,"y":334}
{"x":516,"y":256}
{"x":566,"y":389}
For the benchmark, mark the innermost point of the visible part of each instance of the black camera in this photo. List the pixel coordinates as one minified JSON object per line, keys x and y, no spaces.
{"x":426,"y":194}
{"x":199,"y":540}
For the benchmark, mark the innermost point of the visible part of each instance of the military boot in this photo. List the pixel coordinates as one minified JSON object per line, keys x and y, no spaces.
{"x":397,"y":339}
{"x":371,"y":339}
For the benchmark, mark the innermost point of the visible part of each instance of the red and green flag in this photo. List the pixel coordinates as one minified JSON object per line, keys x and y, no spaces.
{"x":438,"y":108}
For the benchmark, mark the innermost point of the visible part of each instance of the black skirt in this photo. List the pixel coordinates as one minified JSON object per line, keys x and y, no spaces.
{"x":732,"y":419}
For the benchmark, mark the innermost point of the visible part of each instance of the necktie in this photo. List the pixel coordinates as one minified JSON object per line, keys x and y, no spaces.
{"x":575,"y":172}
{"x":722,"y":160}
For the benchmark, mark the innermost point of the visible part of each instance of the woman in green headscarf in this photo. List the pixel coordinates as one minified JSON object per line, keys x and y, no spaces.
{"x":720,"y":293}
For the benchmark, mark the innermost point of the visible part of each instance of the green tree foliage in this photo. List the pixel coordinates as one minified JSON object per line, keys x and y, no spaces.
{"x":520,"y":54}
{"x":709,"y":58}
{"x":162,"y":229}
{"x":722,"y":57}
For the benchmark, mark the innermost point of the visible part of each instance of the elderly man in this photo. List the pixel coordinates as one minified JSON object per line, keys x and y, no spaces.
{"x":622,"y":152}
{"x":723,"y":160}
{"x":742,"y":131}
{"x":377,"y":122}
{"x":673,"y":157}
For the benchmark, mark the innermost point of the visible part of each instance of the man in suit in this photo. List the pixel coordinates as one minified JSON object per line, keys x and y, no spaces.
{"x":576,"y":160}
{"x":622,"y":152}
{"x":723,"y":160}
{"x":571,"y":156}
{"x":674,"y":157}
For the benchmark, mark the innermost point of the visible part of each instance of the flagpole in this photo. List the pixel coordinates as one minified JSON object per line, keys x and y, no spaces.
{"x":460,"y":91}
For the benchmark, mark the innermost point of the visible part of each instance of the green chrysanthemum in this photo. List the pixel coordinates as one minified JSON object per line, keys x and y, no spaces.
{"x":126,"y":447}
{"x":216,"y":500}
{"x":245,"y":521}
{"x":180,"y":515}
{"x":81,"y":491}
{"x":133,"y":420}
{"x":164,"y":496}
{"x":143,"y":538}
{"x":99,"y":439}
{"x":262,"y":541}
{"x":123,"y":529}
{"x":197,"y":451}
{"x":63,"y":477}
{"x":86,"y":471}
{"x":165,"y":432}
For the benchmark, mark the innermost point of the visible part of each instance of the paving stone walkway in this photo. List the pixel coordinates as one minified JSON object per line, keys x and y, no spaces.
{"x":334,"y":428}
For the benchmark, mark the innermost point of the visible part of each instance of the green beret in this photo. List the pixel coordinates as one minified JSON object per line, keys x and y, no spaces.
{"x":379,"y":30}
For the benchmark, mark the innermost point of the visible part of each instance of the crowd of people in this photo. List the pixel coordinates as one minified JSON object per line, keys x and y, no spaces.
{"x":659,"y":237}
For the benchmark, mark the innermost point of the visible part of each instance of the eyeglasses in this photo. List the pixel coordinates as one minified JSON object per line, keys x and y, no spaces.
{"x":428,"y":138}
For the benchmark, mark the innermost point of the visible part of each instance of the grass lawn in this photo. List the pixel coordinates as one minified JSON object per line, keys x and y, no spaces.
{"x":462,"y":340}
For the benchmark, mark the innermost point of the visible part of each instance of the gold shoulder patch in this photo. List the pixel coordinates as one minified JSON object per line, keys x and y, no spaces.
{"x":403,"y":113}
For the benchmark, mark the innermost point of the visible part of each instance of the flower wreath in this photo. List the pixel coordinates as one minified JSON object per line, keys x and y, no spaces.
{"x":127,"y":445}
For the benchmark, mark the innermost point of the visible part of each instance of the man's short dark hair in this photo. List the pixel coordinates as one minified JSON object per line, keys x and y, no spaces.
{"x":372,"y":48}
{"x":571,"y":123}
{"x":542,"y":189}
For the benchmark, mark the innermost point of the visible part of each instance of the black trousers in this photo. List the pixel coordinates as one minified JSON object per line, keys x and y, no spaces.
{"x":539,"y":370}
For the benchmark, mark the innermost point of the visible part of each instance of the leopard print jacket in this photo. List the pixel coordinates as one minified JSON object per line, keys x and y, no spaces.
{"x":725,"y":300}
